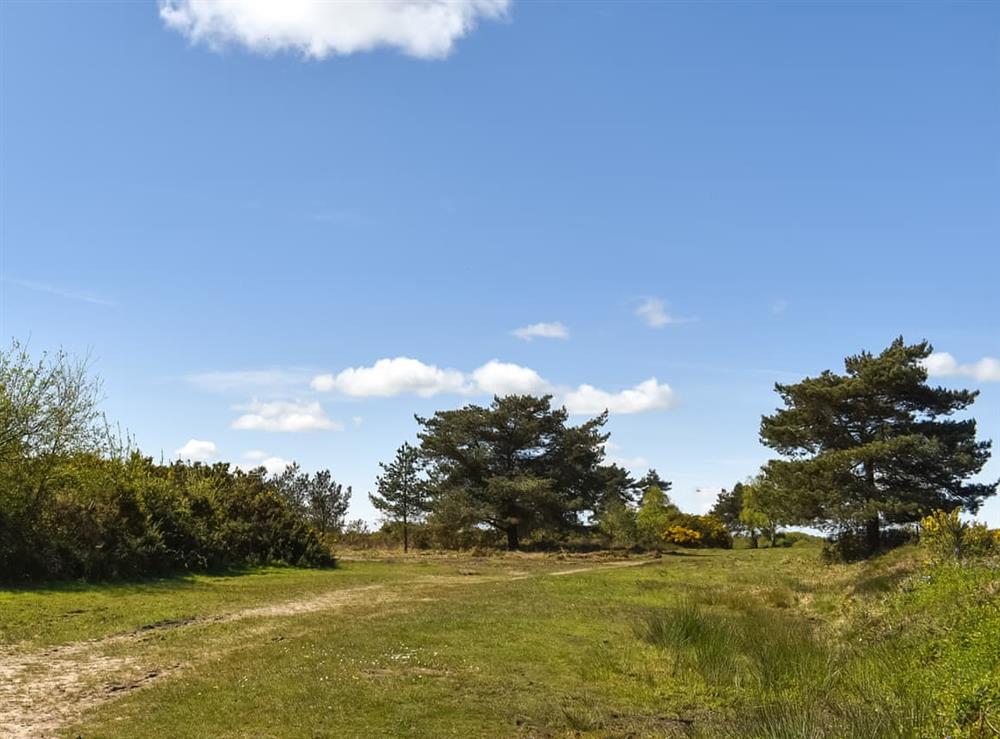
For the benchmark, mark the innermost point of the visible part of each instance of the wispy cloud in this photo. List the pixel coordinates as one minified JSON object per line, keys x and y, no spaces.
{"x":61,"y":292}
{"x":779,"y":306}
{"x":553,"y":330}
{"x":943,"y":364}
{"x":653,"y":312}
{"x":707,"y":496}
{"x":317,"y":29}
{"x":279,"y":379}
{"x":613,"y":454}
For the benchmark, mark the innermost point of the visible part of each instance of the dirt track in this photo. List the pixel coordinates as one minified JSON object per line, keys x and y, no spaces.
{"x":44,"y":690}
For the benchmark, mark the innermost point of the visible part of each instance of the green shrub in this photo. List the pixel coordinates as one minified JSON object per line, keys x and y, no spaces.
{"x":851,"y":545}
{"x":120,"y":518}
{"x":947,"y":536}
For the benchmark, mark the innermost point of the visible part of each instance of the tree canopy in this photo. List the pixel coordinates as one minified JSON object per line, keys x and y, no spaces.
{"x":875,"y":444}
{"x":516,"y":464}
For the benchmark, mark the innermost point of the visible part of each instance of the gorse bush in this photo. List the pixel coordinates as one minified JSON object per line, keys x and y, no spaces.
{"x":109,"y":518}
{"x":688,"y":530}
{"x":681,"y":536}
{"x":947,"y":536}
{"x":77,"y":502}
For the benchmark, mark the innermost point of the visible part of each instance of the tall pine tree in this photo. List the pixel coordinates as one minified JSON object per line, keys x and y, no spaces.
{"x":875,"y":445}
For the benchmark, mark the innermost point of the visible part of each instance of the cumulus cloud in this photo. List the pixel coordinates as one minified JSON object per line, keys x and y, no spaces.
{"x":402,"y":375}
{"x":554,"y":330}
{"x":316,"y":29}
{"x":943,"y":364}
{"x":503,"y":378}
{"x":388,"y":377}
{"x":646,"y":396}
{"x":198,"y":450}
{"x":269,"y":462}
{"x":653,"y":312}
{"x":280,"y":415}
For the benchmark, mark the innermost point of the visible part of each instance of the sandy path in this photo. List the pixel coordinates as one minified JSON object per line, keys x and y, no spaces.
{"x":43,"y":690}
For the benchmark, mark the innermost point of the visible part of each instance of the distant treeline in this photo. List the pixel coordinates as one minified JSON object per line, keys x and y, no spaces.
{"x":864,"y":455}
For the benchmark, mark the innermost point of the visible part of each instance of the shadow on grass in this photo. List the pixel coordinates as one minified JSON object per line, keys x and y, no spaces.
{"x":140,"y":585}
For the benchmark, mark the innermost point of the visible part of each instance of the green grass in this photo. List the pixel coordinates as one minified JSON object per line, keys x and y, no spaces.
{"x":48,"y":615}
{"x":762,"y":643}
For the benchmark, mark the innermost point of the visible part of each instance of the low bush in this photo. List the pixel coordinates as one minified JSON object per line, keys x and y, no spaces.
{"x":96,"y":518}
{"x":947,"y":536}
{"x":689,"y":530}
{"x":851,"y":545}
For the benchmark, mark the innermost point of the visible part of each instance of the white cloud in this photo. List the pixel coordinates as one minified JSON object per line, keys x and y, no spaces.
{"x":542,"y":331}
{"x":653,"y":312}
{"x":269,"y":462}
{"x":388,"y":377}
{"x":613,"y":455}
{"x":198,"y":450}
{"x":646,"y":396}
{"x":708,"y":497}
{"x":943,"y":364}
{"x":316,"y":29}
{"x":249,"y":381}
{"x":402,"y":375}
{"x":503,"y":378}
{"x":282,"y":415}
{"x":357,"y":421}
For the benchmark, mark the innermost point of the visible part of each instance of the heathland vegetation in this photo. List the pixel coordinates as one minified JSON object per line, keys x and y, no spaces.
{"x":864,"y":456}
{"x":733,"y":625}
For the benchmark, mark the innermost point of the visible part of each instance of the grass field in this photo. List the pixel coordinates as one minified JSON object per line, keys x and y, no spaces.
{"x":739,"y":643}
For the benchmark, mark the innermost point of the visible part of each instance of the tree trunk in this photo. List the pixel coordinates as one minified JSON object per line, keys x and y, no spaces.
{"x":754,"y":543}
{"x":873,"y":537}
{"x":406,"y":538}
{"x":872,"y":534}
{"x":774,"y":537}
{"x":512,"y":540}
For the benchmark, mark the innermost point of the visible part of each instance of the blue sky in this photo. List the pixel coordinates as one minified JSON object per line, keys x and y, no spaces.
{"x":232,"y":211}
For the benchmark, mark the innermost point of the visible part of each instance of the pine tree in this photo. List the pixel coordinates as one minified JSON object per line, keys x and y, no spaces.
{"x":516,"y":465}
{"x":402,"y":492}
{"x":875,"y":445}
{"x":327,"y":502}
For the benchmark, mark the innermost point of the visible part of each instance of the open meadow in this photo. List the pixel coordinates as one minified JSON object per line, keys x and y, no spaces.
{"x":621,"y":369}
{"x":765,"y":642}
